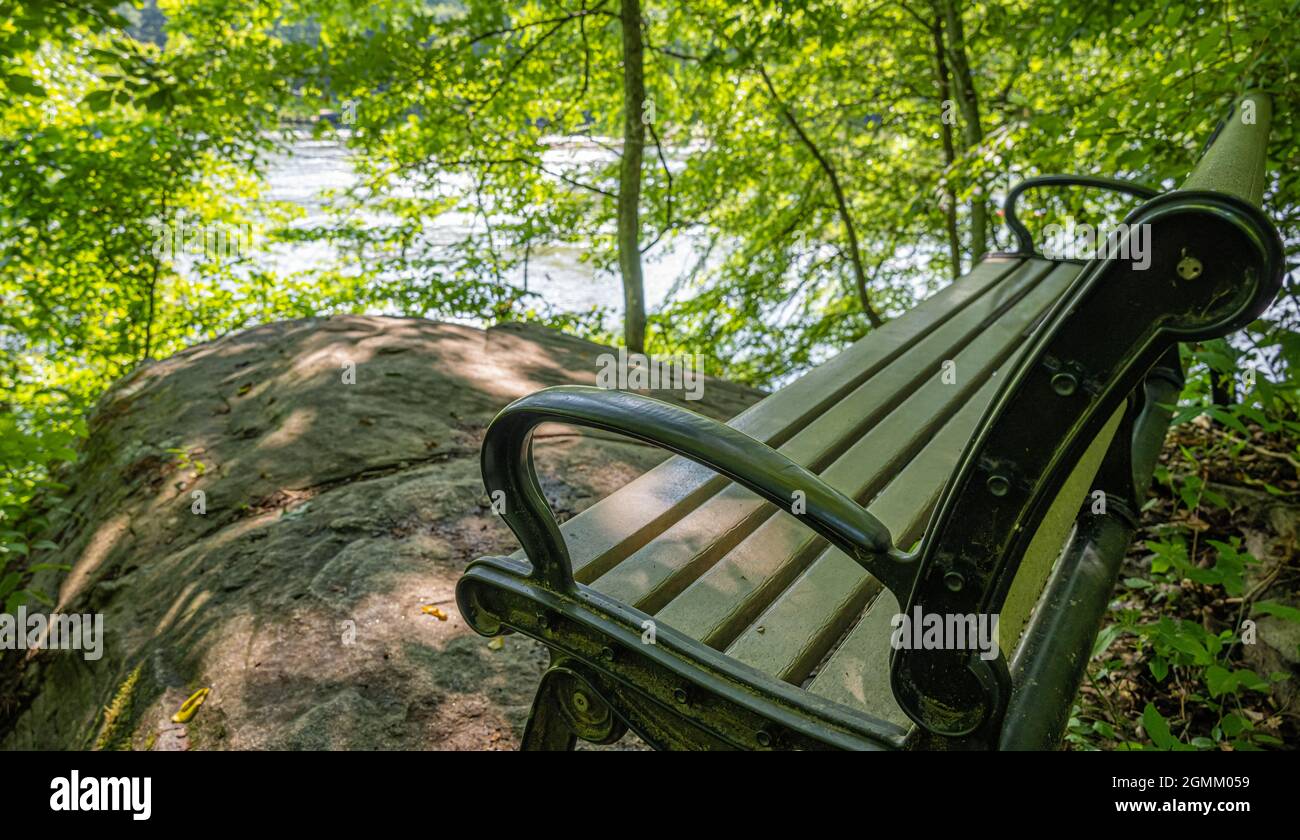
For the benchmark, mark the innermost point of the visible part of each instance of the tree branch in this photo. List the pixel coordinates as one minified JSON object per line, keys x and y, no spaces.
{"x":508,"y":30}
{"x":668,"y":221}
{"x":533,"y":164}
{"x":855,"y":253}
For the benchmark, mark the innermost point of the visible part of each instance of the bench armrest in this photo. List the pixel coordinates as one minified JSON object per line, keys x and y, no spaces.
{"x":1024,"y":241}
{"x":508,"y":468}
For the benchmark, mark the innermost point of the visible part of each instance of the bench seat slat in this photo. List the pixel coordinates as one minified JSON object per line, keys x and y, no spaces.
{"x":726,"y":598}
{"x":857,"y":673}
{"x":797,"y":631}
{"x":655,"y":573}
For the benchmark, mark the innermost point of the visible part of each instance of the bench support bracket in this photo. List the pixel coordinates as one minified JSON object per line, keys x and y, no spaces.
{"x":1094,"y":349}
{"x":568,"y":707}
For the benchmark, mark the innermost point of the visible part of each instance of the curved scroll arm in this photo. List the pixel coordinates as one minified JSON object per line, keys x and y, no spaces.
{"x":508,"y":468}
{"x":1024,"y":241}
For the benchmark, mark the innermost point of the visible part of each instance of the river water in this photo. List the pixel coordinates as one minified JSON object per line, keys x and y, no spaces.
{"x":310,"y":166}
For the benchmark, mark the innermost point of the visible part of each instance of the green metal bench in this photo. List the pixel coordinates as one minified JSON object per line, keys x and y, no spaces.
{"x":744,"y":594}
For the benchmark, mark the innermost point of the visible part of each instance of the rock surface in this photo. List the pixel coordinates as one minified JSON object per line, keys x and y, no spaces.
{"x":308,"y":596}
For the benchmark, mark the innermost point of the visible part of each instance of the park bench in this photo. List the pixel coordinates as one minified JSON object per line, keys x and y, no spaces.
{"x":984,"y":455}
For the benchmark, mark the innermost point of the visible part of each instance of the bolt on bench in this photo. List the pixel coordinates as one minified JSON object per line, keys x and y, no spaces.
{"x":743,"y":595}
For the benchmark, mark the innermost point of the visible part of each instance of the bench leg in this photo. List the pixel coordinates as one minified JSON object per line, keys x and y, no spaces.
{"x":568,"y":707}
{"x":547,"y":730}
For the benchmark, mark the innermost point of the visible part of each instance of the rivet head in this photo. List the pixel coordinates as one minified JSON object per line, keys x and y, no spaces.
{"x":954,"y":581}
{"x":1189,"y":268}
{"x":999,"y":485}
{"x":1064,"y":384}
{"x":679,"y":694}
{"x":764,"y":738}
{"x":580,"y":701}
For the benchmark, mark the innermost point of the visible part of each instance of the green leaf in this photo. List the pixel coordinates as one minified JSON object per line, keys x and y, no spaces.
{"x":1159,"y":668}
{"x":1279,"y":610}
{"x":1220,"y":681}
{"x":23,"y":86}
{"x":1157,"y":728}
{"x":1250,"y":680}
{"x":1105,"y":639}
{"x":37,"y":595}
{"x":9,"y":583}
{"x":1234,"y":725}
{"x":100,"y":100}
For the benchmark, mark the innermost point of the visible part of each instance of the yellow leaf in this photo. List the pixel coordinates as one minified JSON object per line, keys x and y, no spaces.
{"x":190,"y":706}
{"x":497,"y":643}
{"x":430,"y":609}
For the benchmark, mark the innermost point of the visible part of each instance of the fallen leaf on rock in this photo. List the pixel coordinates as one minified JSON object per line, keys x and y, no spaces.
{"x":497,"y":643}
{"x":430,"y":609}
{"x":190,"y":706}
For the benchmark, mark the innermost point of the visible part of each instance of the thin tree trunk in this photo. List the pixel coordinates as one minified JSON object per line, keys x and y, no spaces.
{"x":148,"y":325}
{"x":972,"y":131}
{"x":855,"y":253}
{"x":629,"y":187}
{"x":153,"y":294}
{"x":949,"y":151}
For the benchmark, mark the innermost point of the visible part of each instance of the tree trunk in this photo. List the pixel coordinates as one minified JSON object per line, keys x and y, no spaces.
{"x":629,"y":186}
{"x":949,"y":152}
{"x":972,"y":131}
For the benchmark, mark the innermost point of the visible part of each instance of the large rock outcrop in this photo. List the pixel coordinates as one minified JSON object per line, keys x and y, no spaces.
{"x":338,"y":517}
